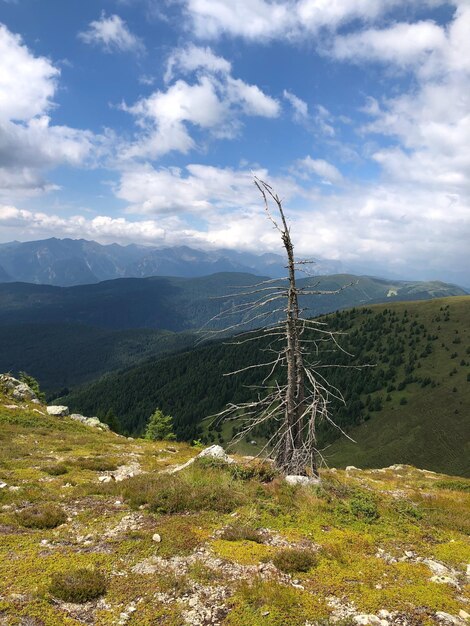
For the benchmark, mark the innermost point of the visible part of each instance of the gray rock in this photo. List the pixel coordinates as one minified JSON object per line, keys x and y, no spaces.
{"x":293,"y":479}
{"x":215,"y":452}
{"x":16,"y":389}
{"x":58,"y":410}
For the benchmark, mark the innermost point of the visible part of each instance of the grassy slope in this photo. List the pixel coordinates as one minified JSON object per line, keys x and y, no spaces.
{"x":434,"y":425}
{"x":346,"y":523}
{"x":432,"y":430}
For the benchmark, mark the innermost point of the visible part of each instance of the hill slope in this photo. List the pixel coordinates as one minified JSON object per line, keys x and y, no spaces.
{"x":216,"y":544}
{"x":412,"y":407}
{"x":65,"y":355}
{"x":182,"y":304}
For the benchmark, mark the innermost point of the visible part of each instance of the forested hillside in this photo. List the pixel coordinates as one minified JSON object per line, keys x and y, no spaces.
{"x":178,"y":304}
{"x":61,"y":356}
{"x":419,"y":353}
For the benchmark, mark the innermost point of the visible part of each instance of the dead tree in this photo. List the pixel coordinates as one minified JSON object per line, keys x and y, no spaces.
{"x":302,"y":401}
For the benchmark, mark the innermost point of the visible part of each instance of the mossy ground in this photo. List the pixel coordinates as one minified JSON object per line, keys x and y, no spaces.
{"x":350,"y":523}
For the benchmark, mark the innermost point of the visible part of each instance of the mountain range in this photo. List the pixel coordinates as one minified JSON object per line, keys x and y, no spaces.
{"x":67,"y":262}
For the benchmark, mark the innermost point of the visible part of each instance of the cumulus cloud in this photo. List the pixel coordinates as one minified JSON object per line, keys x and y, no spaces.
{"x":27,"y":83}
{"x":291,"y":19}
{"x":29,"y":142}
{"x":191,"y":58}
{"x":214,"y":101}
{"x":326,"y":171}
{"x":401,"y":44}
{"x":112,"y":35}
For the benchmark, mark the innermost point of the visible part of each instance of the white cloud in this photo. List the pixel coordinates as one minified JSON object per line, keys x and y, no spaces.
{"x":102,"y":228}
{"x":29,"y":143}
{"x":291,"y":19}
{"x":326,"y":171}
{"x":27,"y":83}
{"x":214,"y":102}
{"x":191,"y":58}
{"x":401,"y":44}
{"x":299,"y":106}
{"x":112,"y":34}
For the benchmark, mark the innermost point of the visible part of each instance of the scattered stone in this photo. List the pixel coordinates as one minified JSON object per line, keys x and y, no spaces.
{"x":215,"y":452}
{"x":3,"y":485}
{"x":58,"y":410}
{"x":463,"y":614}
{"x":105,"y":479}
{"x":351,"y":468}
{"x":448,"y":619}
{"x":94,"y":422}
{"x":294,"y":479}
{"x":156,"y":537}
{"x":11,"y":406}
{"x":442,"y":573}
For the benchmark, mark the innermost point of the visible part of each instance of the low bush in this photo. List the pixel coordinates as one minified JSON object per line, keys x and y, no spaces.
{"x":78,"y":585}
{"x":96,"y":464}
{"x":55,"y":470}
{"x":240,"y":533}
{"x":291,"y":560}
{"x":190,"y":491}
{"x":363,"y":506}
{"x":41,"y":516}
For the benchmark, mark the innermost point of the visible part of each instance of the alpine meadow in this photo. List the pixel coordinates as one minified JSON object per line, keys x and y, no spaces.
{"x":234,"y":313}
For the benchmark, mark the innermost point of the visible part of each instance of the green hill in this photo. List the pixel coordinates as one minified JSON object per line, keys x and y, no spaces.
{"x":178,"y":304}
{"x":65,"y":355}
{"x":68,"y":336}
{"x":411,"y":407}
{"x":227,"y":545}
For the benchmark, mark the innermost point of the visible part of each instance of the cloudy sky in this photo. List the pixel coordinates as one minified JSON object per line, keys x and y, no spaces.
{"x":143,"y":120}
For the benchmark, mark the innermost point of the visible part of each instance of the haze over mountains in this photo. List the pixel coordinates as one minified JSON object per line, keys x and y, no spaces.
{"x":67,"y":262}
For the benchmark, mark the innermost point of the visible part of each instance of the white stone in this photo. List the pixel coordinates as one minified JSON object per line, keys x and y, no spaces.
{"x":3,"y":485}
{"x":351,"y":468}
{"x":105,"y":479}
{"x":444,"y":580}
{"x":463,"y":614}
{"x":366,"y":620}
{"x":447,"y":618}
{"x":293,"y":479}
{"x":156,"y":537}
{"x":215,"y":452}
{"x":58,"y":410}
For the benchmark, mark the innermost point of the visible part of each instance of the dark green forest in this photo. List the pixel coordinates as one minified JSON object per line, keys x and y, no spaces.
{"x":408,"y":348}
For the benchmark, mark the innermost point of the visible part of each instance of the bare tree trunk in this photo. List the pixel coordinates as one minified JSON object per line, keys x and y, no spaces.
{"x":299,"y":405}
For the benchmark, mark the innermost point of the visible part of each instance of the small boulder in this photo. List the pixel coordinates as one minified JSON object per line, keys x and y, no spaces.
{"x":293,"y":479}
{"x":156,"y":537}
{"x":58,"y":410}
{"x":216,"y":452}
{"x":351,"y":468}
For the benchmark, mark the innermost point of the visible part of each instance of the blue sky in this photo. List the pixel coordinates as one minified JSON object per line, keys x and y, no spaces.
{"x":143,"y":120}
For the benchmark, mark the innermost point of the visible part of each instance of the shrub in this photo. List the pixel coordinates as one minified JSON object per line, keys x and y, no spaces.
{"x":160,"y":427}
{"x":78,"y":585}
{"x":41,"y":516}
{"x":55,"y":470}
{"x":194,"y":490}
{"x":33,"y":385}
{"x":364,"y":507}
{"x":291,"y":560}
{"x":96,"y":464}
{"x":240,"y":533}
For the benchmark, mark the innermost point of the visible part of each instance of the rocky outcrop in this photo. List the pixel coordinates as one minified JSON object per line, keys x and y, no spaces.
{"x":58,"y":410}
{"x":16,"y":389}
